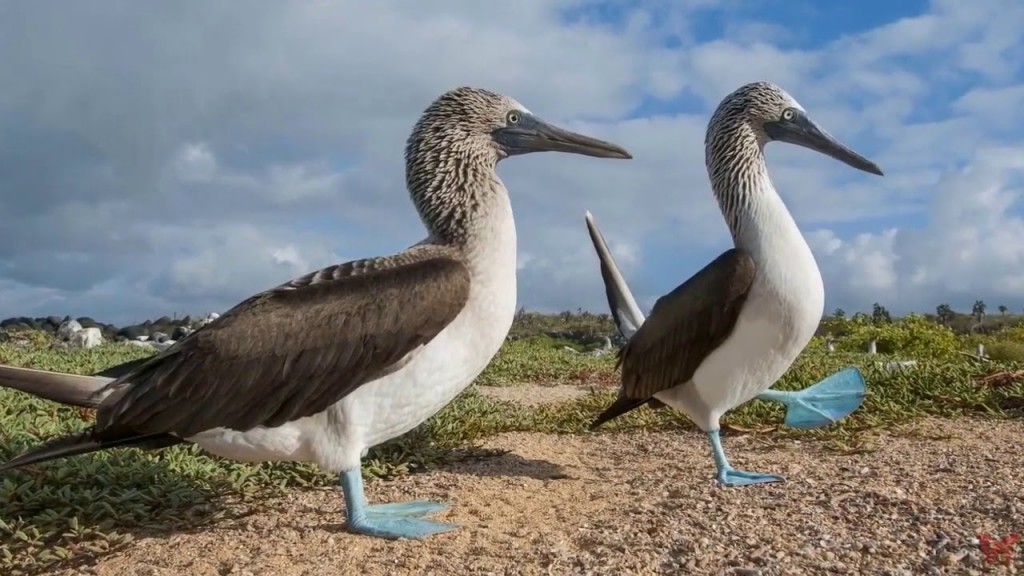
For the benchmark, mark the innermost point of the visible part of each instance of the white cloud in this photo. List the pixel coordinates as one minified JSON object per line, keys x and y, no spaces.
{"x":226,"y":151}
{"x":970,"y":247}
{"x":195,"y":163}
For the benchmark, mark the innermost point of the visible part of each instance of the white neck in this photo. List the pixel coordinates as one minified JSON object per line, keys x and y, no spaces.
{"x":765,"y":224}
{"x":757,"y":217}
{"x":490,"y":243}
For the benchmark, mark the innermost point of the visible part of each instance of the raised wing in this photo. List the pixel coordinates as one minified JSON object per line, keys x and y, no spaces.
{"x":684,"y":327}
{"x":627,"y":315}
{"x":294,"y":350}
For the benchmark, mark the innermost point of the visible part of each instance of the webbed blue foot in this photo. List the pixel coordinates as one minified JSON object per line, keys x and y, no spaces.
{"x":733,"y":477}
{"x":729,"y":476}
{"x":824,"y":403}
{"x":395,"y":527}
{"x":413,"y":509}
{"x":393,"y":520}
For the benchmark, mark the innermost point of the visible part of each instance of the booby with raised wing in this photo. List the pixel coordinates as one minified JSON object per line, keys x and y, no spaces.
{"x":728,"y":333}
{"x":325,"y":366}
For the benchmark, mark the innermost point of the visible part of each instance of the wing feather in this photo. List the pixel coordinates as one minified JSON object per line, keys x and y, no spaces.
{"x":294,"y":350}
{"x":686,"y":325}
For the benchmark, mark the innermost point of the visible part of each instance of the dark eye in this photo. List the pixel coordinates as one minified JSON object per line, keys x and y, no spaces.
{"x":787,"y":114}
{"x":513,"y":117}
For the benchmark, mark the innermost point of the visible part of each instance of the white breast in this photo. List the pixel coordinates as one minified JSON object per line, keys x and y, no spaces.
{"x":438,"y":372}
{"x":779,"y":318}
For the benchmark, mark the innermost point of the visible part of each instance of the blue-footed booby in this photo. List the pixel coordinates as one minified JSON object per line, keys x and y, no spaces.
{"x":325,"y":366}
{"x":726,"y":335}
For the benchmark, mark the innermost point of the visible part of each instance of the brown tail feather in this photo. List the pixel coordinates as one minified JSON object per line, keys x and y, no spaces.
{"x":74,"y":390}
{"x":71,"y":389}
{"x":621,"y":406}
{"x":82,"y":443}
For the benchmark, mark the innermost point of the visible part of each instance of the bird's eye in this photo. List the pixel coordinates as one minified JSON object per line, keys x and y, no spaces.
{"x":787,"y":114}
{"x":513,"y":117}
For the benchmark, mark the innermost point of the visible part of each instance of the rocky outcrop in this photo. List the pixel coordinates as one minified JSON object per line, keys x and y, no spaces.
{"x":86,"y":332}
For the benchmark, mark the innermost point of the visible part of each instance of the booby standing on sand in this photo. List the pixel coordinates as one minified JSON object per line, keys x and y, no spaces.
{"x":325,"y":366}
{"x":728,"y":333}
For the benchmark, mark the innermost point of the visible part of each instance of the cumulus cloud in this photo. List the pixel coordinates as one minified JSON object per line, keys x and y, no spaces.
{"x":969,"y":246}
{"x":180,"y":157}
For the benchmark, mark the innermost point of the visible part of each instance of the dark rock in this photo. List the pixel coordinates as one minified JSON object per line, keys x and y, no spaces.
{"x":159,"y":337}
{"x":163,"y":321}
{"x":16,"y":321}
{"x":133,"y":332}
{"x":109,"y":331}
{"x":68,"y":328}
{"x":19,"y":327}
{"x":45,"y":325}
{"x":56,"y":321}
{"x":187,"y":321}
{"x":88,"y":322}
{"x":180,"y":332}
{"x":161,"y":327}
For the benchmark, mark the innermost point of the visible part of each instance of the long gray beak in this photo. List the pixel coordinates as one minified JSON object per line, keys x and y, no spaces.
{"x":534,"y":135}
{"x":802,"y":131}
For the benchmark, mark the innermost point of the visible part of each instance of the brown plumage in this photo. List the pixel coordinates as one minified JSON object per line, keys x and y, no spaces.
{"x":321,"y":336}
{"x":297,"y":349}
{"x":684,"y":327}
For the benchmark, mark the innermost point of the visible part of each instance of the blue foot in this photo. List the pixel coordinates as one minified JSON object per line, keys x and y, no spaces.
{"x":824,"y":403}
{"x":414,"y":509}
{"x":729,"y":476}
{"x":395,"y":527}
{"x":732,"y":477}
{"x":392,"y":521}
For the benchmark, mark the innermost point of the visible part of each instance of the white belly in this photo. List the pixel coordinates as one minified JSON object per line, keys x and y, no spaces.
{"x":772,"y":330}
{"x":378,"y":411}
{"x":779,"y":318}
{"x":385,"y":408}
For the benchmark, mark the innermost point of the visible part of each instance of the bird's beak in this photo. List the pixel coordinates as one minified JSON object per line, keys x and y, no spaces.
{"x":802,"y":131}
{"x":534,"y":135}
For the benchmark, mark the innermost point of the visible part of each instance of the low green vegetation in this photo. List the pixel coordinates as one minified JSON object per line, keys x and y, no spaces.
{"x":74,"y":509}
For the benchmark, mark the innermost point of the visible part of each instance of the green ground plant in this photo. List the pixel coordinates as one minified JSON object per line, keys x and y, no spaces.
{"x":74,"y":509}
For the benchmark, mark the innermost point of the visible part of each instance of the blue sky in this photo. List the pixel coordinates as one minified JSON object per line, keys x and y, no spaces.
{"x":176,"y":159}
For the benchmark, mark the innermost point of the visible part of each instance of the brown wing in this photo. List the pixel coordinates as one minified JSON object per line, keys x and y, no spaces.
{"x":294,"y":350}
{"x":683,"y":328}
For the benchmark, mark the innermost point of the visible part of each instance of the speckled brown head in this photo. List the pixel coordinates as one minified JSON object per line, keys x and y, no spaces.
{"x":744,"y":122}
{"x":457,"y":142}
{"x":762,"y":112}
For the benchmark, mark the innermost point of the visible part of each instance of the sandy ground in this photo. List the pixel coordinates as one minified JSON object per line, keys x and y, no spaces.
{"x":535,"y":395}
{"x":644,"y":503}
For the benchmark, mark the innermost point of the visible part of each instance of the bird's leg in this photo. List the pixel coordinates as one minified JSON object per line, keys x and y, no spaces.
{"x":730,"y":476}
{"x":392,"y":521}
{"x":824,"y":403}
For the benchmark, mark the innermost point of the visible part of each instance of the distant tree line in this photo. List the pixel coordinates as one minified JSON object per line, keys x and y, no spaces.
{"x":584,"y":322}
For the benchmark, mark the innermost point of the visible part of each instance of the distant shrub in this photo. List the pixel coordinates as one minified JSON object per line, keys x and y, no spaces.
{"x":1014,"y":334}
{"x":1005,"y":351}
{"x":913,"y":335}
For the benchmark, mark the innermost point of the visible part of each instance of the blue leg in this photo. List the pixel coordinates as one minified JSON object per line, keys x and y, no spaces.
{"x":392,"y":521}
{"x":824,"y":403}
{"x":730,"y":476}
